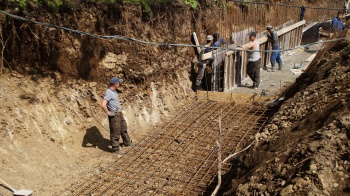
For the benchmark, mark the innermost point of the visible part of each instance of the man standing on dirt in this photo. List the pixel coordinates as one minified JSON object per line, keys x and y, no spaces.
{"x":253,"y":65}
{"x":276,"y":55}
{"x":113,"y":109}
{"x":337,"y":24}
{"x":202,"y":63}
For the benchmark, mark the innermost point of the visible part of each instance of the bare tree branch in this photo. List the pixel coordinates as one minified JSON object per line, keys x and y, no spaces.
{"x":3,"y":46}
{"x":218,"y":144}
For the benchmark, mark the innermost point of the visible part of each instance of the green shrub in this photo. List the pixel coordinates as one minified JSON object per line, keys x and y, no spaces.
{"x":192,"y":3}
{"x":21,"y":3}
{"x":54,"y":4}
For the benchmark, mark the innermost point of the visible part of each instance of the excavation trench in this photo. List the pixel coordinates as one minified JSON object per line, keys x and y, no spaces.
{"x":52,"y":122}
{"x":180,"y":157}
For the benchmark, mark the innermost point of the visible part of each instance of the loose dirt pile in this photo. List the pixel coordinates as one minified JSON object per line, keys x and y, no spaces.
{"x":305,"y":148}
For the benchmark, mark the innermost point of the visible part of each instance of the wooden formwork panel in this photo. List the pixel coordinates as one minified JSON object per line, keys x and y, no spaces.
{"x":233,"y":97}
{"x":235,"y":69}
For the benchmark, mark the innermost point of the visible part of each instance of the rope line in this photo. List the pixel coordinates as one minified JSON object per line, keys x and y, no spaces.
{"x":124,"y":38}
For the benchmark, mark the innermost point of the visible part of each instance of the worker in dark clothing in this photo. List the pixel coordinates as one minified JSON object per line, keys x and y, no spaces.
{"x":203,"y":63}
{"x":302,"y":12}
{"x":275,"y":56}
{"x":217,"y":41}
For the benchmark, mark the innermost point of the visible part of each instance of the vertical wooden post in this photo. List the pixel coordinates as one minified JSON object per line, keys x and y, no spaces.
{"x":196,"y":42}
{"x":266,"y":55}
{"x":226,"y":73}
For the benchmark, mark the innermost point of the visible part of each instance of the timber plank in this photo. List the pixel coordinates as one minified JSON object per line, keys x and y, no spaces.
{"x":233,"y":97}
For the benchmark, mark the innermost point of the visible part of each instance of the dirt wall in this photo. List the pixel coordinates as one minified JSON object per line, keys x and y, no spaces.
{"x":304,"y":149}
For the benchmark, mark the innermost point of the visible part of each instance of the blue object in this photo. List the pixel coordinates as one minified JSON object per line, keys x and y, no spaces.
{"x":115,"y":80}
{"x":112,"y":98}
{"x":337,"y":24}
{"x":276,"y":56}
{"x":219,"y":42}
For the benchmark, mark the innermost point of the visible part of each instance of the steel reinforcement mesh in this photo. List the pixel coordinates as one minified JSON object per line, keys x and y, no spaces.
{"x":180,"y":158}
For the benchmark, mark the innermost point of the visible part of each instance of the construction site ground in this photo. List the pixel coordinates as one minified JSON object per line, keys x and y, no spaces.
{"x":179,"y":158}
{"x":179,"y":154}
{"x":272,"y":83}
{"x":54,"y":136}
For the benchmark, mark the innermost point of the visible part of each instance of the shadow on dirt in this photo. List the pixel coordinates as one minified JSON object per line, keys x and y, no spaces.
{"x":93,"y":138}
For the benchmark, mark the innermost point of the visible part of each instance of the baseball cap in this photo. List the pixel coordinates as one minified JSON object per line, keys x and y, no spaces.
{"x":269,"y":27}
{"x":209,"y":38}
{"x":252,"y":34}
{"x":115,"y":80}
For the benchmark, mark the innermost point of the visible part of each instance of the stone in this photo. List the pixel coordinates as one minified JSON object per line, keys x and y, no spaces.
{"x":257,"y":136}
{"x":323,"y":181}
{"x":274,"y":127}
{"x":335,"y":185}
{"x":287,"y":190}
{"x":264,"y":136}
{"x":300,"y":184}
{"x":325,"y":192}
{"x":283,"y":183}
{"x":313,"y":168}
{"x":341,"y":168}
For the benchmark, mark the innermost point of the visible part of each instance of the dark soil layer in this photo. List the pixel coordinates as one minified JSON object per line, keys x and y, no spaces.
{"x":34,"y":49}
{"x":305,"y":148}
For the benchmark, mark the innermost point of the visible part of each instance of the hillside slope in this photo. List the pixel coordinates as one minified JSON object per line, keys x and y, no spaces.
{"x":305,"y":148}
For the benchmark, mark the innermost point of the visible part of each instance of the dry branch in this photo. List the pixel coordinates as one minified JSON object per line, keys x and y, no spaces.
{"x":218,"y":144}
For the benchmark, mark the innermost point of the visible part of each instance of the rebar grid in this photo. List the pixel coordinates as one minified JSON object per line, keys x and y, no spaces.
{"x":179,"y":158}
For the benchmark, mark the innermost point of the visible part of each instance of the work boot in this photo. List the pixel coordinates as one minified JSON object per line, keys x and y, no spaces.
{"x":116,"y":151}
{"x":273,"y":67}
{"x":280,"y":67}
{"x":197,"y":88}
{"x":128,"y":144}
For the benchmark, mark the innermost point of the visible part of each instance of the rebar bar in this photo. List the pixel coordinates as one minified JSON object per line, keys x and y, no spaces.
{"x":179,"y":157}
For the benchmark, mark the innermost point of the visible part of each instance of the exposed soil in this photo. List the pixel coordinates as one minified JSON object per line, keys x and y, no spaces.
{"x":52,"y":127}
{"x":305,"y":148}
{"x":52,"y":130}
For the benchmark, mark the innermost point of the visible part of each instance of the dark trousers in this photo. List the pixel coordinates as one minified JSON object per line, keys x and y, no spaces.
{"x":276,"y":56}
{"x":253,"y":71}
{"x":117,"y":127}
{"x":200,"y":75}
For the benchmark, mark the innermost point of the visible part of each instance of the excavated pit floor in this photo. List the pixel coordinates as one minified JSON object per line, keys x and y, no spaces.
{"x":294,"y":62}
{"x":180,"y":157}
